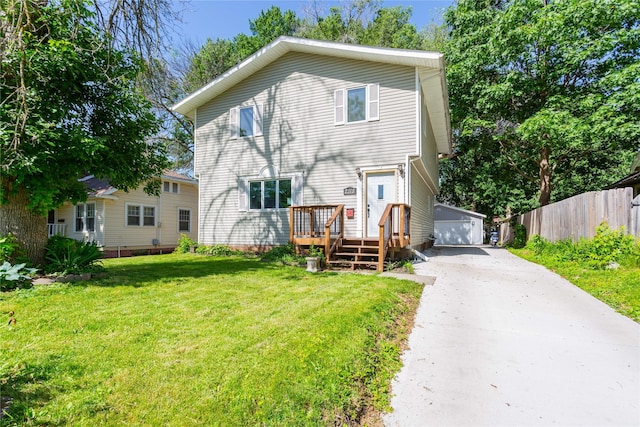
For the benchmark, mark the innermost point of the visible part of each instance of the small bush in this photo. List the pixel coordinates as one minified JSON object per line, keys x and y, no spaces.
{"x":285,"y":254}
{"x":607,"y":247}
{"x":217,"y":250}
{"x":185,"y":244}
{"x":70,"y":256}
{"x":10,"y":249}
{"x":519,"y":236}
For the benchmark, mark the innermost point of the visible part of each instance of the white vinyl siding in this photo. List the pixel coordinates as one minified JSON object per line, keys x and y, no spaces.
{"x":299,"y":134}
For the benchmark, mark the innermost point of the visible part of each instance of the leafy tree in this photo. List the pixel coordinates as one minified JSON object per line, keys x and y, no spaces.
{"x":553,"y":88}
{"x":70,"y":105}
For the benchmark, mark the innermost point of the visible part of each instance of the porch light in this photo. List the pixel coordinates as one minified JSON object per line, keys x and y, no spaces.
{"x":401,"y":169}
{"x":359,"y":172}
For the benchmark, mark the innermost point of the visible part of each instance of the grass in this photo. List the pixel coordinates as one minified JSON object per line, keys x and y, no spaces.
{"x":619,"y":288}
{"x":194,"y":340}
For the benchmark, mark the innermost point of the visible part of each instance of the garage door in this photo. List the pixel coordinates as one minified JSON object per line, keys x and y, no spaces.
{"x":453,"y":232}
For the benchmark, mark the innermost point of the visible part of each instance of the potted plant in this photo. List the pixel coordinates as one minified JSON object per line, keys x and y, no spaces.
{"x":314,"y":259}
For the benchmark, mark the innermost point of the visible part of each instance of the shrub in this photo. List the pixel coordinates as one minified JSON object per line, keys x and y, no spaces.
{"x":185,"y":244}
{"x":285,"y":254}
{"x":217,"y":250}
{"x":70,"y":256}
{"x":10,"y":249}
{"x":519,"y":236}
{"x":15,"y":276}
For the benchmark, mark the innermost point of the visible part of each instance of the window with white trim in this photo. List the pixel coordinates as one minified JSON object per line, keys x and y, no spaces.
{"x":245,"y":121}
{"x":269,"y":193}
{"x":85,"y":217}
{"x":358,"y":104}
{"x":184,"y":220}
{"x":138,"y":215}
{"x":170,"y":187}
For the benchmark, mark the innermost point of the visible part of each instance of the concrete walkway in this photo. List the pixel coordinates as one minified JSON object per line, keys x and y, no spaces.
{"x":501,"y":341}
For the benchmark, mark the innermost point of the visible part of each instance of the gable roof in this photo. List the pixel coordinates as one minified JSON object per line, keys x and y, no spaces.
{"x":428,"y":64}
{"x":460,"y":210}
{"x":101,"y":189}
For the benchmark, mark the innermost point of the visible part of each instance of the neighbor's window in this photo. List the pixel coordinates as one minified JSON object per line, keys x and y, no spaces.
{"x":86,"y":217}
{"x":184,"y":220}
{"x":269,"y":194}
{"x":133,"y":215}
{"x":141,"y":215}
{"x":170,"y":187}
{"x":149,"y":216}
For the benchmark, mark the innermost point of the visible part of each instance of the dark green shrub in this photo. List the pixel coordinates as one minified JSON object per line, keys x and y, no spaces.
{"x":185,"y":244}
{"x":10,"y":249}
{"x":70,"y":256}
{"x":217,"y":250}
{"x":285,"y":254}
{"x":519,"y":236}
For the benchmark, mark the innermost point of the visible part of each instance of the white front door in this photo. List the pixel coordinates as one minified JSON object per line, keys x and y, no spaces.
{"x":381,"y":190}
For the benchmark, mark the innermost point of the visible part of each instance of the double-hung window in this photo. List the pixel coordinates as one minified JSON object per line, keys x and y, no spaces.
{"x":357,"y":104}
{"x":184,"y":220}
{"x":170,"y":187}
{"x":141,"y":215}
{"x":245,"y":121}
{"x":85,"y":217}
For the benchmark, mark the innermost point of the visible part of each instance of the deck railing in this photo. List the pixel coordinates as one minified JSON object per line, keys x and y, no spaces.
{"x":319,"y":225}
{"x":56,"y":229}
{"x":394,"y":230}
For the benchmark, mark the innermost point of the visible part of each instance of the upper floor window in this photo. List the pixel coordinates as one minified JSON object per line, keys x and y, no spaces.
{"x":85,"y":217}
{"x":170,"y":187}
{"x":357,"y":104}
{"x":245,"y":121}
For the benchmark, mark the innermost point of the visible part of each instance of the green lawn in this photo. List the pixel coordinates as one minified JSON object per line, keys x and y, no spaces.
{"x":194,"y":340}
{"x":619,"y":288}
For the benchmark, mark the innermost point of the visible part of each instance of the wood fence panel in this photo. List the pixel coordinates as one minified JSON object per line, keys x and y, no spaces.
{"x":579,"y":216}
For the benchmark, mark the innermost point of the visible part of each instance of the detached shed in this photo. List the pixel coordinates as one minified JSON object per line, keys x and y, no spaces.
{"x":456,"y":226}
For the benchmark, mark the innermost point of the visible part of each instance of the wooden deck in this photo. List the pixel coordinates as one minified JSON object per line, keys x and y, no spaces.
{"x":323,"y":227}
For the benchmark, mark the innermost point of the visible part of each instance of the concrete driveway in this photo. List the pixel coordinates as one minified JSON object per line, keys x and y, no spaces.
{"x":501,"y":341}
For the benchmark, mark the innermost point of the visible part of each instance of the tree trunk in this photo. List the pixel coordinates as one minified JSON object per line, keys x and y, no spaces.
{"x":545,"y":177}
{"x":29,"y":228}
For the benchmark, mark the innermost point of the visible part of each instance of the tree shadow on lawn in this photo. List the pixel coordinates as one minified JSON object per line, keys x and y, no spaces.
{"x":154,"y":269}
{"x":31,"y":387}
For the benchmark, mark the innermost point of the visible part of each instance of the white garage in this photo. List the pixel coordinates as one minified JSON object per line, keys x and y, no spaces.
{"x":456,"y":226}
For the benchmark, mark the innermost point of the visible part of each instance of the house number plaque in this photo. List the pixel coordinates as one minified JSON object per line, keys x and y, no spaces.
{"x":350,"y":191}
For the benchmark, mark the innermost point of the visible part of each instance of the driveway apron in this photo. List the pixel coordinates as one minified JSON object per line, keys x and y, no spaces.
{"x":501,"y":341}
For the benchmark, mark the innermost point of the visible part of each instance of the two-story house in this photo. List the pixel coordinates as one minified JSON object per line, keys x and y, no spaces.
{"x":321,"y":143}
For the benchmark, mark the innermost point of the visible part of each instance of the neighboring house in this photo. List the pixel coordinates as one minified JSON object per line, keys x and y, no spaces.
{"x":632,"y":180}
{"x":134,"y":222}
{"x":456,"y":226}
{"x":315,"y":142}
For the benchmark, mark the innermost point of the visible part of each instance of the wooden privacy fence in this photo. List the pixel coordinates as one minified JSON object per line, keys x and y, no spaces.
{"x":579,"y":216}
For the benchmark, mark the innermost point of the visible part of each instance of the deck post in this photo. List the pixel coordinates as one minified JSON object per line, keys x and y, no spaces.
{"x":292,"y":224}
{"x":401,"y":226}
{"x":381,"y":249}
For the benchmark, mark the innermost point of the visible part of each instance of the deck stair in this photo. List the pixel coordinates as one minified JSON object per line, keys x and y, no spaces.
{"x":356,"y":253}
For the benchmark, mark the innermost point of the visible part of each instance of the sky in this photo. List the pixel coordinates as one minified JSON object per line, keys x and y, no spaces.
{"x":225,"y":19}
